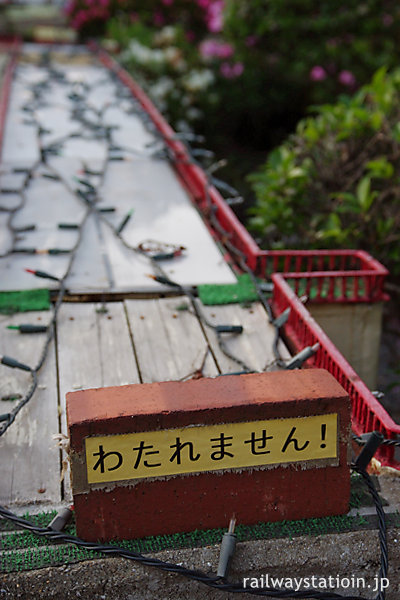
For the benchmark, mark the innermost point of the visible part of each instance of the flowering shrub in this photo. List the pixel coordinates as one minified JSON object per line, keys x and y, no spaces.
{"x":244,"y":72}
{"x":197,"y":16}
{"x":335,"y":182}
{"x":183,"y":77}
{"x":302,"y":53}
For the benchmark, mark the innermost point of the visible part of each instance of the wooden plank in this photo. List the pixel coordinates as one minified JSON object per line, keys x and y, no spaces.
{"x":9,"y":201}
{"x":11,"y":180}
{"x":48,"y":203}
{"x":253,"y":346}
{"x":5,"y":233}
{"x":162,"y":212}
{"x":130,"y":131}
{"x":30,"y":459}
{"x":20,"y":139}
{"x":89,"y":270}
{"x":169,"y":344}
{"x":70,"y":168}
{"x":94,"y":349}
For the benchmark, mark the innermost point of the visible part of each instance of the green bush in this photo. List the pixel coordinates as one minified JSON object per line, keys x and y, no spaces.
{"x":300,"y":52}
{"x":336,"y":181}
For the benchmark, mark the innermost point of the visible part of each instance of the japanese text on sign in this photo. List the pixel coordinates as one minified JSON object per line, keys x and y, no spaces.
{"x":210,"y":447}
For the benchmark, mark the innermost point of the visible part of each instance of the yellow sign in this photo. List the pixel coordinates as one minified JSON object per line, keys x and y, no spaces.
{"x":210,"y":447}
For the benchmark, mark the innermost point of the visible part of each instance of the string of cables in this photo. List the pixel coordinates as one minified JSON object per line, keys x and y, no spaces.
{"x":87,"y":193}
{"x":91,"y":126}
{"x":221,"y":582}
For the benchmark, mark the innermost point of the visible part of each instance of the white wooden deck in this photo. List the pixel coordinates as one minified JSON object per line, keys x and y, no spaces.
{"x":121,"y":342}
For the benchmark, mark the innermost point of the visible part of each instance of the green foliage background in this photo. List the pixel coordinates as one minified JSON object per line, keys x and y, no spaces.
{"x":335,"y":182}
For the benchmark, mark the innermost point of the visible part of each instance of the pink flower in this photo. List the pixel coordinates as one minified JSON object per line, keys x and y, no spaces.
{"x":251,"y":40}
{"x":346,"y":78}
{"x":317,"y":73}
{"x":214,"y":17}
{"x":213,"y":10}
{"x":80,"y":19}
{"x":231,"y":71}
{"x":158,"y":19}
{"x":214,"y":48}
{"x":387,"y":20}
{"x":134,"y":17}
{"x":69,"y":7}
{"x":167,"y":2}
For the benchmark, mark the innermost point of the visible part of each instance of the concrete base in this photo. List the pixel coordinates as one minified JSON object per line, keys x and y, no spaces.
{"x":355,"y":329}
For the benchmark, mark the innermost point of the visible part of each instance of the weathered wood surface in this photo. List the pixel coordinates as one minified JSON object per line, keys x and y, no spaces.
{"x":253,"y":346}
{"x":30,"y":460}
{"x":169,"y":343}
{"x":94,"y":349}
{"x":101,"y":345}
{"x":140,"y":182}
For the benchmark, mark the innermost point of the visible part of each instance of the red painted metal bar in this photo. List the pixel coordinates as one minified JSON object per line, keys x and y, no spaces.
{"x":11,"y":48}
{"x":302,"y":330}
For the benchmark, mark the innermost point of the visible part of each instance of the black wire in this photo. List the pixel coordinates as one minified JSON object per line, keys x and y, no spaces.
{"x":224,"y":234}
{"x":204,"y":578}
{"x":385,"y":442}
{"x":212,"y":580}
{"x":381,"y":526}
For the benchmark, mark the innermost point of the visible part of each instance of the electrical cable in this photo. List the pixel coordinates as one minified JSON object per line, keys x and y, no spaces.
{"x":91,"y":193}
{"x":105,"y":132}
{"x":361,"y":440}
{"x":215,"y":581}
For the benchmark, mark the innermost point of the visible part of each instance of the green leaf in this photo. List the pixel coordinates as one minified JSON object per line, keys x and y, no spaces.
{"x":396,"y":133}
{"x":380,"y":168}
{"x":364,"y":195}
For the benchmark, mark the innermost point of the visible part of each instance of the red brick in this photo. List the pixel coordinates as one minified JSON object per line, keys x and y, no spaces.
{"x":129,"y":509}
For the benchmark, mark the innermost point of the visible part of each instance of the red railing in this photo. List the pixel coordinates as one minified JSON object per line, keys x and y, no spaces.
{"x":302,"y":330}
{"x":328,"y":275}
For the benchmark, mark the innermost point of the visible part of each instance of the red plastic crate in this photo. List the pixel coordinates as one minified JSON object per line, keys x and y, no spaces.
{"x":302,"y":330}
{"x":329,"y":275}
